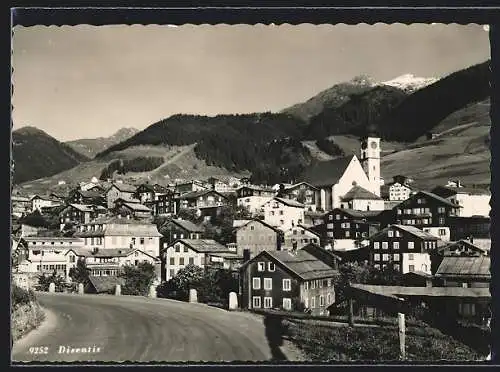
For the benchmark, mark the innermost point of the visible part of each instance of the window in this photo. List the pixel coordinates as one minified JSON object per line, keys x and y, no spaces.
{"x":400,"y":211}
{"x":328,"y":298}
{"x":282,"y":222}
{"x":396,"y":257}
{"x":397,"y":267}
{"x":191,"y":260}
{"x":178,"y":248}
{"x":270,"y":266}
{"x":321,"y":300}
{"x":287,"y":304}
{"x":410,"y":257}
{"x":71,"y":258}
{"x":441,"y":210}
{"x":395,"y":245}
{"x":376,"y":257}
{"x":172,"y":260}
{"x":281,"y":213}
{"x":411,"y":268}
{"x":385,"y":245}
{"x":172,"y":273}
{"x":376,"y":245}
{"x":141,"y":241}
{"x":320,"y":284}
{"x":411,"y":245}
{"x":256,"y":302}
{"x":313,"y":302}
{"x":306,"y":285}
{"x":390,"y":233}
{"x":313,"y":284}
{"x":287,"y":284}
{"x":385,"y":257}
{"x":268,"y":284}
{"x":256,"y":283}
{"x":347,"y":234}
{"x":397,"y":233}
{"x":442,"y":232}
{"x":329,"y":226}
{"x":181,"y":261}
{"x":441,"y":220}
{"x":268,"y":302}
{"x":261,"y":266}
{"x":377,"y":266}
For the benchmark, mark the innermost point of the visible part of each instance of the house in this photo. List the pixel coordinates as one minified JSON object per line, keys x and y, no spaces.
{"x":360,"y":199}
{"x":283,"y":213}
{"x":466,"y":272}
{"x":475,"y":229}
{"x":417,"y":279}
{"x":313,"y":218}
{"x":120,"y":191}
{"x":462,"y":247}
{"x":406,"y":248}
{"x":127,"y":208}
{"x":219,"y":185}
{"x":80,"y":213}
{"x":156,"y":197}
{"x":347,"y":229}
{"x":303,"y":193}
{"x":107,"y":262}
{"x":58,"y":196}
{"x":21,"y":205}
{"x":398,"y":190}
{"x":335,"y":178}
{"x":119,"y":233}
{"x":175,"y":229}
{"x":429,"y":212}
{"x":473,"y":201}
{"x":92,"y":196}
{"x":299,"y":236}
{"x":252,"y":197}
{"x":255,"y":236}
{"x":37,"y":202}
{"x":47,"y":254}
{"x":204,"y":253}
{"x":188,"y":187}
{"x":287,"y":280}
{"x":201,"y":199}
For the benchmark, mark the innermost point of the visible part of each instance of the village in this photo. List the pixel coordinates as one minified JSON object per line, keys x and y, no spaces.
{"x":283,"y":244}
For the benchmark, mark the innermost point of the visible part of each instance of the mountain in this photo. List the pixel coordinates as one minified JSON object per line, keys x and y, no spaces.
{"x":37,"y":155}
{"x":92,"y":146}
{"x":409,"y":82}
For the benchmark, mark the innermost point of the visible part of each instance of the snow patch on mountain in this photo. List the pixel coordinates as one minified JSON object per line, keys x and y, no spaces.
{"x":410,"y":82}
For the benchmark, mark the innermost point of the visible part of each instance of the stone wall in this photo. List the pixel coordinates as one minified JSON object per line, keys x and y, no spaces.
{"x":25,"y":318}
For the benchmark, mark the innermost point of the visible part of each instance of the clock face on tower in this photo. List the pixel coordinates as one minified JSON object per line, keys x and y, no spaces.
{"x":373,"y":145}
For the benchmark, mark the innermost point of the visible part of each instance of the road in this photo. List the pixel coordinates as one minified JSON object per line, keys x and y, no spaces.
{"x":127,"y":328}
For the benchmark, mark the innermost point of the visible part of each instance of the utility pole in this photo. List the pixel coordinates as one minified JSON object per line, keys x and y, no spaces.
{"x":402,"y":336}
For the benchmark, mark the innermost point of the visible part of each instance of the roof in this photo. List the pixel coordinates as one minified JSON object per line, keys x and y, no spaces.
{"x":239,"y":223}
{"x":260,"y":221}
{"x":307,"y":229}
{"x":409,"y":229}
{"x":358,"y":192}
{"x":122,"y":227}
{"x":59,"y":238}
{"x":256,"y":188}
{"x":289,"y":202}
{"x":137,"y":207}
{"x":105,"y":283}
{"x":87,"y":207}
{"x":439,"y":198}
{"x":186,"y":225}
{"x":357,"y":214}
{"x":154,"y":188}
{"x":394,"y":291}
{"x":294,"y":186}
{"x":106,"y":252}
{"x":326,"y":173}
{"x":90,"y":193}
{"x":447,"y":191}
{"x":123,"y":187}
{"x":458,"y":244}
{"x":302,"y":264}
{"x":196,"y":194}
{"x":203,"y":245}
{"x":464,"y":267}
{"x":418,"y":273}
{"x":19,"y":198}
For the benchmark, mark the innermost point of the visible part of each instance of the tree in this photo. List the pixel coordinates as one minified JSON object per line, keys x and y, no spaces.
{"x":45,"y":280}
{"x":80,"y":273}
{"x":178,"y":287}
{"x":35,"y":219}
{"x":138,"y":278}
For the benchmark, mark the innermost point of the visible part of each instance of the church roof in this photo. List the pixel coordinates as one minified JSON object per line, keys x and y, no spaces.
{"x":326,"y":173}
{"x":357,"y":192}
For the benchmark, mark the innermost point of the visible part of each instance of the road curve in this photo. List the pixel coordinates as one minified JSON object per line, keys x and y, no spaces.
{"x":139,"y":329}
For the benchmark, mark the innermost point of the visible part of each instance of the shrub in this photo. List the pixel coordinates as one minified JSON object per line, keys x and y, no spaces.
{"x":21,"y":296}
{"x":138,"y":279}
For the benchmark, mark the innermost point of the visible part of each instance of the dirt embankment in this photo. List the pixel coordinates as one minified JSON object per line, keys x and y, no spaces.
{"x":25,"y":318}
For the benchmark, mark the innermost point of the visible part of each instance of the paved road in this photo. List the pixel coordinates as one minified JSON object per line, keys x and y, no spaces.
{"x":140,"y":329}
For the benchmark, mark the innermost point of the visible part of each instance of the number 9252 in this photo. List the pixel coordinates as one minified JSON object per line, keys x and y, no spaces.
{"x":39,"y":350}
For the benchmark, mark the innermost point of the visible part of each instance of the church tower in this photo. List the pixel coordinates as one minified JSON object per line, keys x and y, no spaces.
{"x":370,"y":159}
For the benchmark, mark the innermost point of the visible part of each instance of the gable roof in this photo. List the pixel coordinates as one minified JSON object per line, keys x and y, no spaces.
{"x":357,"y":214}
{"x":465,"y":267}
{"x":447,"y":191}
{"x":436,"y":197}
{"x":186,"y":225}
{"x":289,"y":202}
{"x":259,"y":221}
{"x":123,"y":187}
{"x":301,"y":263}
{"x":358,"y":192}
{"x":106,"y":252}
{"x":394,"y":291}
{"x":203,"y":245}
{"x":295,"y":185}
{"x":138,"y":207}
{"x":409,"y":229}
{"x":89,"y":193}
{"x":196,"y":194}
{"x":326,"y":173}
{"x":86,"y":207}
{"x":461,"y":242}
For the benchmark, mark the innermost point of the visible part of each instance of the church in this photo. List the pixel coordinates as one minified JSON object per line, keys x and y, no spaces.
{"x":349,"y":182}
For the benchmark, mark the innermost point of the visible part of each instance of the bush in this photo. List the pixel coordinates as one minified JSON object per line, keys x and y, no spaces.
{"x":45,"y":280}
{"x":21,"y":296}
{"x":138,"y":279}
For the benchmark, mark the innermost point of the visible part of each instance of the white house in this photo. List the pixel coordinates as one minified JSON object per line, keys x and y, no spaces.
{"x":39,"y":202}
{"x":121,"y":233}
{"x":474,"y":201}
{"x":283,"y":213}
{"x":252,"y":198}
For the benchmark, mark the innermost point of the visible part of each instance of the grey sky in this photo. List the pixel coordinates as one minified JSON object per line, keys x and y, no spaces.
{"x":87,"y":81}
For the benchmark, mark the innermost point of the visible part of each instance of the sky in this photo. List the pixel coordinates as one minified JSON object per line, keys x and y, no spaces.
{"x":89,"y":81}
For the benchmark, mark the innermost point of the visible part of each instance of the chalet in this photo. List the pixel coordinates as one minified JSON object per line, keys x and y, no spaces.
{"x":204,"y":253}
{"x":147,"y":193}
{"x":92,"y":196}
{"x":283,"y":213}
{"x":37,"y":202}
{"x":475,"y":229}
{"x":127,"y":208}
{"x":462,"y":248}
{"x":313,"y":218}
{"x":80,"y":213}
{"x":107,"y":262}
{"x":348,"y":229}
{"x":219,"y":185}
{"x":120,"y":233}
{"x":466,"y":272}
{"x":189,"y":187}
{"x":255,"y":236}
{"x":303,"y":193}
{"x":175,"y":229}
{"x":299,"y":236}
{"x":120,"y":191}
{"x":287,"y":280}
{"x":164,"y":204}
{"x":473,"y":201}
{"x":398,"y":190}
{"x":253,"y":197}
{"x":21,"y":205}
{"x":201,"y":199}
{"x":406,"y":248}
{"x":428,"y":212}
{"x":335,"y":178}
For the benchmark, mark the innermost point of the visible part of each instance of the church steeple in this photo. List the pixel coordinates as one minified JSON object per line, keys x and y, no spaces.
{"x":370,"y":158}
